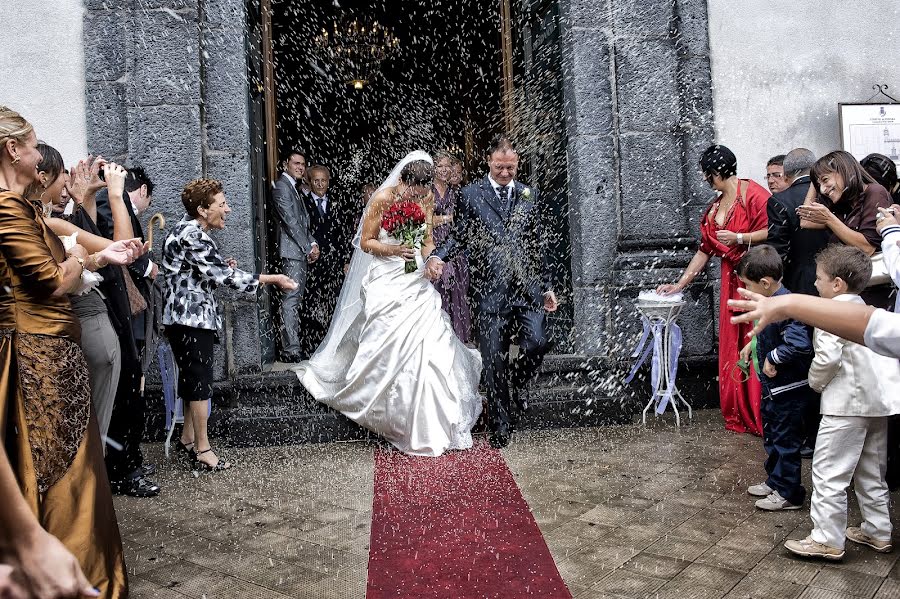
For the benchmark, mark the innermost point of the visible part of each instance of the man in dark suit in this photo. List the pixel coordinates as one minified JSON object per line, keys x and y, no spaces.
{"x":798,"y":248}
{"x":499,"y":224}
{"x":332,"y":224}
{"x":297,"y":248}
{"x":124,"y":460}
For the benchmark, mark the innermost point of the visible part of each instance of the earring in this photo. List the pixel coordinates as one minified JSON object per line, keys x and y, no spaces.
{"x":16,"y":159}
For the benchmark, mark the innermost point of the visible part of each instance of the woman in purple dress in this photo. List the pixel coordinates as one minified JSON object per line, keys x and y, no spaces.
{"x":454,"y":282}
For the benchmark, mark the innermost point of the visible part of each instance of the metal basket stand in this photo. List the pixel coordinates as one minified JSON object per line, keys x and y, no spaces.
{"x":665,"y":313}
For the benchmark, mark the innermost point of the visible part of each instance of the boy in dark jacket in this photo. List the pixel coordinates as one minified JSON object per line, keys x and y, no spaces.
{"x":781,"y":354}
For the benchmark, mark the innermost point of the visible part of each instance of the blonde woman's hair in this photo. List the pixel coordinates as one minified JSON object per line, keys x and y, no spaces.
{"x":13,"y":126}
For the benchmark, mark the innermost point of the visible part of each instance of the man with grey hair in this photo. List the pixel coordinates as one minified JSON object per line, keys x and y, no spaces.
{"x":798,"y":248}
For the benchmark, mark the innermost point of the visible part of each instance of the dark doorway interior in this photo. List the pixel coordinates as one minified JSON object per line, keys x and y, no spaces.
{"x":441,"y":89}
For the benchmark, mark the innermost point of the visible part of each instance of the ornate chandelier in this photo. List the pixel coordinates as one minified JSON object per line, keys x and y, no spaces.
{"x":356,"y":48}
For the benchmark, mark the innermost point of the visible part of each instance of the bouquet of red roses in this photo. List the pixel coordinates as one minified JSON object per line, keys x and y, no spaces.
{"x":405,"y":221}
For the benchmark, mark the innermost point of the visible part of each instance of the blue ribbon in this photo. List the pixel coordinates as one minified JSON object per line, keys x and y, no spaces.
{"x":640,"y":350}
{"x":675,"y":340}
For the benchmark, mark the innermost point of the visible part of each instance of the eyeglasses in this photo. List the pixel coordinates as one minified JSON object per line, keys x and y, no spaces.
{"x":774,"y":176}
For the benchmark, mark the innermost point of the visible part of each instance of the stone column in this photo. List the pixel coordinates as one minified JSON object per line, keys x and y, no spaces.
{"x":639,"y":112}
{"x":167,"y":90}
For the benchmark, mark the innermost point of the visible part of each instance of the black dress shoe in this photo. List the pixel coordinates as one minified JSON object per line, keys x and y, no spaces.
{"x":500,"y":439}
{"x":519,"y":399}
{"x":148,"y":469}
{"x":139,"y":486}
{"x":806,"y":453}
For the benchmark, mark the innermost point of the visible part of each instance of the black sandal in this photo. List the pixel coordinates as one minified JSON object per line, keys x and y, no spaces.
{"x":218,"y":467}
{"x":187,"y":453}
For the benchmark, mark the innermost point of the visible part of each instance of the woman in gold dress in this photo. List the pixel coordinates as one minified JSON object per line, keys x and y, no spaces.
{"x":48,"y":430}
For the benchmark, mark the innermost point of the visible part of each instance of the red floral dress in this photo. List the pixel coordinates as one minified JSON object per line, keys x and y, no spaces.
{"x":740,"y":401}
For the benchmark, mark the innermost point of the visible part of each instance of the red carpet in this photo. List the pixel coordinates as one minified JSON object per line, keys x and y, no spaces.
{"x":455,"y":526}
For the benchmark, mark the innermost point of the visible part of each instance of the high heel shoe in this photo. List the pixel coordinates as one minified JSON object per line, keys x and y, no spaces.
{"x":219,"y":466}
{"x":186,"y":452}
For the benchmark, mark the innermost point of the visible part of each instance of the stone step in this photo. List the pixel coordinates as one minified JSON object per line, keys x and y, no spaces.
{"x":570,"y":391}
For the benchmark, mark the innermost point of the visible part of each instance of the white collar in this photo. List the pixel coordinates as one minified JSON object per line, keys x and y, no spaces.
{"x":317,"y":197}
{"x":853,"y":298}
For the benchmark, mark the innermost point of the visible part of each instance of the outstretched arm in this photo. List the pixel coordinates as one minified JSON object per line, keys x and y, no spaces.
{"x":844,"y":319}
{"x":456,"y":241}
{"x":458,"y":238}
{"x":694,"y":268}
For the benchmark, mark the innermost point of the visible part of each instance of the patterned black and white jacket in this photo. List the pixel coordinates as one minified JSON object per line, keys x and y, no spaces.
{"x":193,"y":268}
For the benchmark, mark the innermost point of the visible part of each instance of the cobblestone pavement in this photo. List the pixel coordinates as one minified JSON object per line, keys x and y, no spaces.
{"x":627,"y":512}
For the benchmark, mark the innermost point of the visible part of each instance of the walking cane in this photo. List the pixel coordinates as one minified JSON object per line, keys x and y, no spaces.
{"x":156,"y":220}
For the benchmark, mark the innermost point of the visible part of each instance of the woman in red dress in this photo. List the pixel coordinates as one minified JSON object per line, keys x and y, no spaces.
{"x":734,"y":221}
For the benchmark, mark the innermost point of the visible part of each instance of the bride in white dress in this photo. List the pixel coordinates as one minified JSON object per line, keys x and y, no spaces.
{"x":391,"y":361}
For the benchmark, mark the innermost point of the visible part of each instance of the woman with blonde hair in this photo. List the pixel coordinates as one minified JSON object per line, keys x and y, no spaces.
{"x":46,"y":422}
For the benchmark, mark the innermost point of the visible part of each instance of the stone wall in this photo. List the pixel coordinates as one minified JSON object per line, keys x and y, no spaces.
{"x":166,"y":89}
{"x":639,"y":112}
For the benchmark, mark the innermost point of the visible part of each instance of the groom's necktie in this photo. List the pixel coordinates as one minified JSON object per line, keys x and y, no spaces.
{"x":503,"y":192}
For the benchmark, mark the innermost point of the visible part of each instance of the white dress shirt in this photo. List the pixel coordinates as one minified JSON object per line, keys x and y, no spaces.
{"x":511,"y":186}
{"x":883,"y":333}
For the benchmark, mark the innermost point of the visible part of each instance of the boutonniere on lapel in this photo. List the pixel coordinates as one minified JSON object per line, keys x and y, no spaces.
{"x":526,"y":193}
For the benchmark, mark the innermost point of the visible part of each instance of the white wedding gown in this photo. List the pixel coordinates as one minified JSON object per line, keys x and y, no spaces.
{"x":399,"y":370}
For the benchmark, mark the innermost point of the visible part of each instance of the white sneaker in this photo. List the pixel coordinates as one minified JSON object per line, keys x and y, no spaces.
{"x":855,"y":534}
{"x":760,"y":490}
{"x":775,"y":503}
{"x":809,"y":548}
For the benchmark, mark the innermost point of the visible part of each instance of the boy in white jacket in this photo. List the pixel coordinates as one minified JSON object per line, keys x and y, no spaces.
{"x":858,"y":390}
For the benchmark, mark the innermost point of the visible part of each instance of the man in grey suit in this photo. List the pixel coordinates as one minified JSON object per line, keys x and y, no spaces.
{"x":297,"y":249}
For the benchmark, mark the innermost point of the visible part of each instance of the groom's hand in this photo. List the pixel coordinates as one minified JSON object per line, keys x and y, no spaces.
{"x":550,"y":302}
{"x":434,"y":268}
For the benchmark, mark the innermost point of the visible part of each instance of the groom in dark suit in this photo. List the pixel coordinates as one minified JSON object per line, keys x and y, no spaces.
{"x":499,"y":225}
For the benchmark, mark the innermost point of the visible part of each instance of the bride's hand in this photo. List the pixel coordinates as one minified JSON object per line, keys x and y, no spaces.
{"x":405,"y":252}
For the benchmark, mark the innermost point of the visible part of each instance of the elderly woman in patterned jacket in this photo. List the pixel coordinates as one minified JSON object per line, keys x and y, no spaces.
{"x":193,"y":268}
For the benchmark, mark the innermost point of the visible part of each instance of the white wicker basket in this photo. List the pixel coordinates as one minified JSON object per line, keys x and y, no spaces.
{"x":658,"y":310}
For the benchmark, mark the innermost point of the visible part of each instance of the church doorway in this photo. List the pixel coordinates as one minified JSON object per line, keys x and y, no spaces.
{"x":456,"y":73}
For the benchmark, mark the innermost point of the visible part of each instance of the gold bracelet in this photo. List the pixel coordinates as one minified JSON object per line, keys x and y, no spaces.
{"x":97,"y":261}
{"x":80,"y":261}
